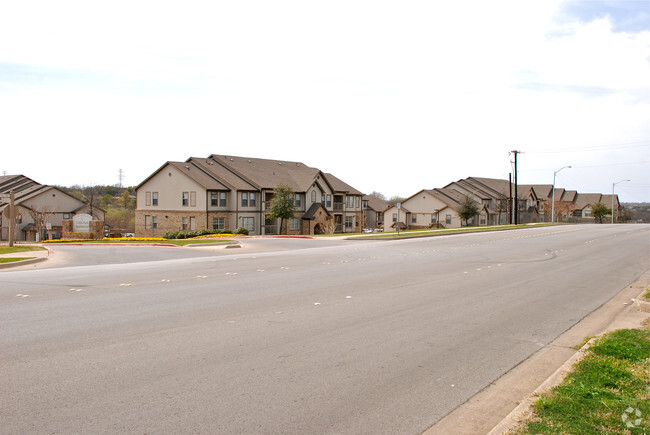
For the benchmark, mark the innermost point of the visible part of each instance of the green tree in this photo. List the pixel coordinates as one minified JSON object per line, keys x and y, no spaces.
{"x":468,"y":209}
{"x":107,"y":201}
{"x":599,"y":211}
{"x":282,"y":205}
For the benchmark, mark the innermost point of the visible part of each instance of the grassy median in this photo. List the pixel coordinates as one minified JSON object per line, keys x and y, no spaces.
{"x":14,"y":249}
{"x":607,"y":392}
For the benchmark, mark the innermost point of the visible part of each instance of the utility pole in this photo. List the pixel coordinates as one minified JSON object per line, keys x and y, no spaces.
{"x":516,"y":199}
{"x":510,"y":208}
{"x":121,"y":177}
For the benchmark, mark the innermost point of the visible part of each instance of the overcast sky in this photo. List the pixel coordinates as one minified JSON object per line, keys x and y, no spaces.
{"x":388,"y":96}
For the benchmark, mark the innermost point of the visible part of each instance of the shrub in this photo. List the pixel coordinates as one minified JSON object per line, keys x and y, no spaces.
{"x":241,"y":231}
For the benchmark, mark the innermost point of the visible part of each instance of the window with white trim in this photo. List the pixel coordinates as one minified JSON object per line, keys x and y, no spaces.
{"x":294,"y":224}
{"x":218,"y":223}
{"x":248,"y":223}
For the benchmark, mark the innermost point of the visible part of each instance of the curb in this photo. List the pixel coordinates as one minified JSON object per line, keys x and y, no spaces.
{"x":523,"y":411}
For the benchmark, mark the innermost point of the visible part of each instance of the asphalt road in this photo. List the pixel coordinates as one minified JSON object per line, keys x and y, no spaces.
{"x":321,"y":337}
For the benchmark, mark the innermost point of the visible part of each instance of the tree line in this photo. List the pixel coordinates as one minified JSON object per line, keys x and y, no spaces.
{"x":118,"y":203}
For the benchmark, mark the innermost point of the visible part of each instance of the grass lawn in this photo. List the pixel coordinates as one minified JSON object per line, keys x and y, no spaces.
{"x":443,"y":231}
{"x":607,"y":392}
{"x":11,"y":250}
{"x":13,"y":259}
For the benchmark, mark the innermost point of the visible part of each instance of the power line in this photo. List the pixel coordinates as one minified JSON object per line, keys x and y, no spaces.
{"x":595,"y":148}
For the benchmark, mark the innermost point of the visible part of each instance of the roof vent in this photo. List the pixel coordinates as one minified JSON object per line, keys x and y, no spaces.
{"x":187,"y":166}
{"x":250,"y":161}
{"x":279,"y":163}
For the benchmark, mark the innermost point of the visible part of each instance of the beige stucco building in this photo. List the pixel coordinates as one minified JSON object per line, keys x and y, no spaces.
{"x":228,"y":192}
{"x":40,"y":209}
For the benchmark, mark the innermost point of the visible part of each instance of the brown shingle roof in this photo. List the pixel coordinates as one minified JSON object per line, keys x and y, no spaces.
{"x":584,"y":199}
{"x":267,"y":174}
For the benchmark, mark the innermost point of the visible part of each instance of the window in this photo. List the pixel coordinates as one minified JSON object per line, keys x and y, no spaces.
{"x":66,"y":215}
{"x":298,"y":200}
{"x":218,"y":223}
{"x":147,"y":200}
{"x":222,"y":199}
{"x":248,"y":223}
{"x":251,"y":200}
{"x":294,"y":224}
{"x":147,"y":221}
{"x":154,"y":198}
{"x":192,"y":199}
{"x":192,"y":223}
{"x":322,"y":199}
{"x":244,"y":199}
{"x":414,"y":218}
{"x":313,"y":196}
{"x":349,"y":222}
{"x":482,"y":220}
{"x":433,"y":219}
{"x":186,"y":199}
{"x":394,"y":217}
{"x":184,"y":224}
{"x":448,"y":219}
{"x":358,"y":201}
{"x":214,"y":198}
{"x":328,"y":201}
{"x":154,"y":222}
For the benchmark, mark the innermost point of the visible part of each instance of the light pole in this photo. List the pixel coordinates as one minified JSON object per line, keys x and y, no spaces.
{"x":553,"y":202}
{"x":614,"y":185}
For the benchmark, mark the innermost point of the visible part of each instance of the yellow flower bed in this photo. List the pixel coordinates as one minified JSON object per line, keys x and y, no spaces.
{"x":214,"y":236}
{"x":110,"y":239}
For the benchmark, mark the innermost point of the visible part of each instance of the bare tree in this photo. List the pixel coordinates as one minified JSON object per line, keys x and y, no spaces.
{"x":330,"y":226}
{"x":40,"y":218}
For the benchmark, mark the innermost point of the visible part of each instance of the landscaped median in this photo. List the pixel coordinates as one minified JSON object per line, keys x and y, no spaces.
{"x":153,"y":241}
{"x":608,"y":391}
{"x":405,"y":234}
{"x":13,"y":254}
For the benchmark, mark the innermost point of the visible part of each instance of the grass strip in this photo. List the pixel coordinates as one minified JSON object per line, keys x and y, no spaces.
{"x":13,"y":249}
{"x":14,"y":259}
{"x":607,"y":392}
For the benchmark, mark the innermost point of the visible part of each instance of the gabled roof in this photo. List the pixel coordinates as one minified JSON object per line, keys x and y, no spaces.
{"x":375,"y":203}
{"x":492,"y":187}
{"x":267,"y":174}
{"x":311,"y":213}
{"x":218,"y":172}
{"x":16,"y":183}
{"x":23,"y":188}
{"x":585,"y":199}
{"x":567,"y":195}
{"x":340,"y":186}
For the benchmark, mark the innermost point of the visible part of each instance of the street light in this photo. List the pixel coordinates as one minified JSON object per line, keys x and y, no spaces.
{"x":553,"y":205}
{"x":613,"y":185}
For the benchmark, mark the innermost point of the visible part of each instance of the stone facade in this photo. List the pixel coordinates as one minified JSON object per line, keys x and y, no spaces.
{"x":168,"y":220}
{"x":96,"y":230}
